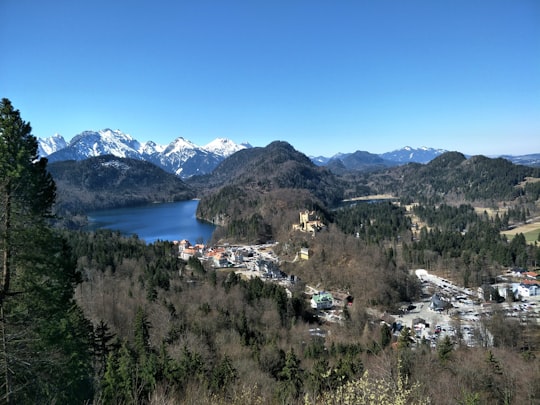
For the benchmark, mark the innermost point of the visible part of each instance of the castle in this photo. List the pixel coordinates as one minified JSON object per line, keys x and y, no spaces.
{"x":309,"y":222}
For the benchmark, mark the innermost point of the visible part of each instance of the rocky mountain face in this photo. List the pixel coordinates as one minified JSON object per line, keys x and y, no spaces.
{"x":50,"y":145}
{"x":358,"y":161}
{"x":366,"y":161}
{"x":181,"y":157}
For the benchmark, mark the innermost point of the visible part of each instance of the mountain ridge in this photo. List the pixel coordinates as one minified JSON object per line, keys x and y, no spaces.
{"x":186,"y":159}
{"x":180,"y":157}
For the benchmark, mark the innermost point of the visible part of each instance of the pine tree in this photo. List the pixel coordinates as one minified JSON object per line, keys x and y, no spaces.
{"x":145,"y":358}
{"x":291,"y":377}
{"x":445,"y":348}
{"x":125,"y":387}
{"x":103,"y":342}
{"x":44,"y":338}
{"x":386,"y":335}
{"x":222,"y":376}
{"x":111,"y":380}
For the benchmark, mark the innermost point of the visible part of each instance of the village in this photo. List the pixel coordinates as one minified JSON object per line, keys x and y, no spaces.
{"x":448,"y":309}
{"x":445,"y":309}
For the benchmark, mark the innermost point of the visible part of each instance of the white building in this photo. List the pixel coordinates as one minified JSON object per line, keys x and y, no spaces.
{"x":528,"y":290}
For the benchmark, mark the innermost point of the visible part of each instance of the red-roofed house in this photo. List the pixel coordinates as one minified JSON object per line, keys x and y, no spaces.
{"x":188,"y":252}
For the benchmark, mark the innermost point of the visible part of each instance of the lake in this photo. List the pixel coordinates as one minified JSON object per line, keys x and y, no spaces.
{"x":166,"y":221}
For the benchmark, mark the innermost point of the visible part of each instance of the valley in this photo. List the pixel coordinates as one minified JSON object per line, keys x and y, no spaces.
{"x":261,"y":203}
{"x":296,"y":295}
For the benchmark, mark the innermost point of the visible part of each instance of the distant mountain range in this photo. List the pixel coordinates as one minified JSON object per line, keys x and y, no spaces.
{"x":185,"y":159}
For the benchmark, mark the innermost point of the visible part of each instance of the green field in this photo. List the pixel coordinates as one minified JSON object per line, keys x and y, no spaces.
{"x":530,"y":231}
{"x":532,"y":236}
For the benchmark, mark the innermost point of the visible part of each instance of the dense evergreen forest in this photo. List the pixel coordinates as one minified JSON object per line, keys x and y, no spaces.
{"x":106,"y":319}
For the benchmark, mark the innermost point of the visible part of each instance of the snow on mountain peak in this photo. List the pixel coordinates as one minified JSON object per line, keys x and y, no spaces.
{"x":50,"y":145}
{"x":181,"y":156}
{"x":179,"y":145}
{"x":410,"y":154}
{"x":150,"y":147}
{"x":223,"y":147}
{"x":114,"y":133}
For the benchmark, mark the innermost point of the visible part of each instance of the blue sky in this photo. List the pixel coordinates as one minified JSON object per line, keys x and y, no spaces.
{"x":325,"y":76}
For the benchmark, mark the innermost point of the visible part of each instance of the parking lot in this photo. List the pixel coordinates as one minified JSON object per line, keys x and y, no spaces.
{"x":461,"y":321}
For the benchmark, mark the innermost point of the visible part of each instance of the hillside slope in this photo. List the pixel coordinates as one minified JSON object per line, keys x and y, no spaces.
{"x":453,"y":176}
{"x":112,"y":182}
{"x":261,"y":185}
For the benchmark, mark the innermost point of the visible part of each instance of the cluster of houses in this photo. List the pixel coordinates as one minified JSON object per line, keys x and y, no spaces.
{"x":527,"y":286}
{"x":221,"y":257}
{"x":218,"y":256}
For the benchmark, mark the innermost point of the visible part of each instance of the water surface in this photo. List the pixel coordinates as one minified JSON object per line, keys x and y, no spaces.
{"x":167,"y":221}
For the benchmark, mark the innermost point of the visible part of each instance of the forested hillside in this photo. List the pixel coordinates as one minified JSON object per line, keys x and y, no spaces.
{"x":112,"y":182}
{"x":466,"y":246}
{"x":251,"y":190}
{"x":170,"y":330}
{"x":451,"y":177}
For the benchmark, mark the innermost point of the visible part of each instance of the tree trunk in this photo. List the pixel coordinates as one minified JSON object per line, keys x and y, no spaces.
{"x":7,"y":379}
{"x":4,"y":289}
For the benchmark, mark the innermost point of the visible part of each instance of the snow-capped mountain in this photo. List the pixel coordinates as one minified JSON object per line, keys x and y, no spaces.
{"x":185,"y":159}
{"x":181,"y":157}
{"x":150,"y":147}
{"x":224,"y":147}
{"x":408,"y":154}
{"x":105,"y":142}
{"x":50,"y":145}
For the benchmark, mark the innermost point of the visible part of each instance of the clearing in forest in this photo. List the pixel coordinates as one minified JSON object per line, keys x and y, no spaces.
{"x":530,"y":230}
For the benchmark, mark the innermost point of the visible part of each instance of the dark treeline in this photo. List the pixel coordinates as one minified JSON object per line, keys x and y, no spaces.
{"x":109,"y":182}
{"x":44,"y":335}
{"x":373,"y":222}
